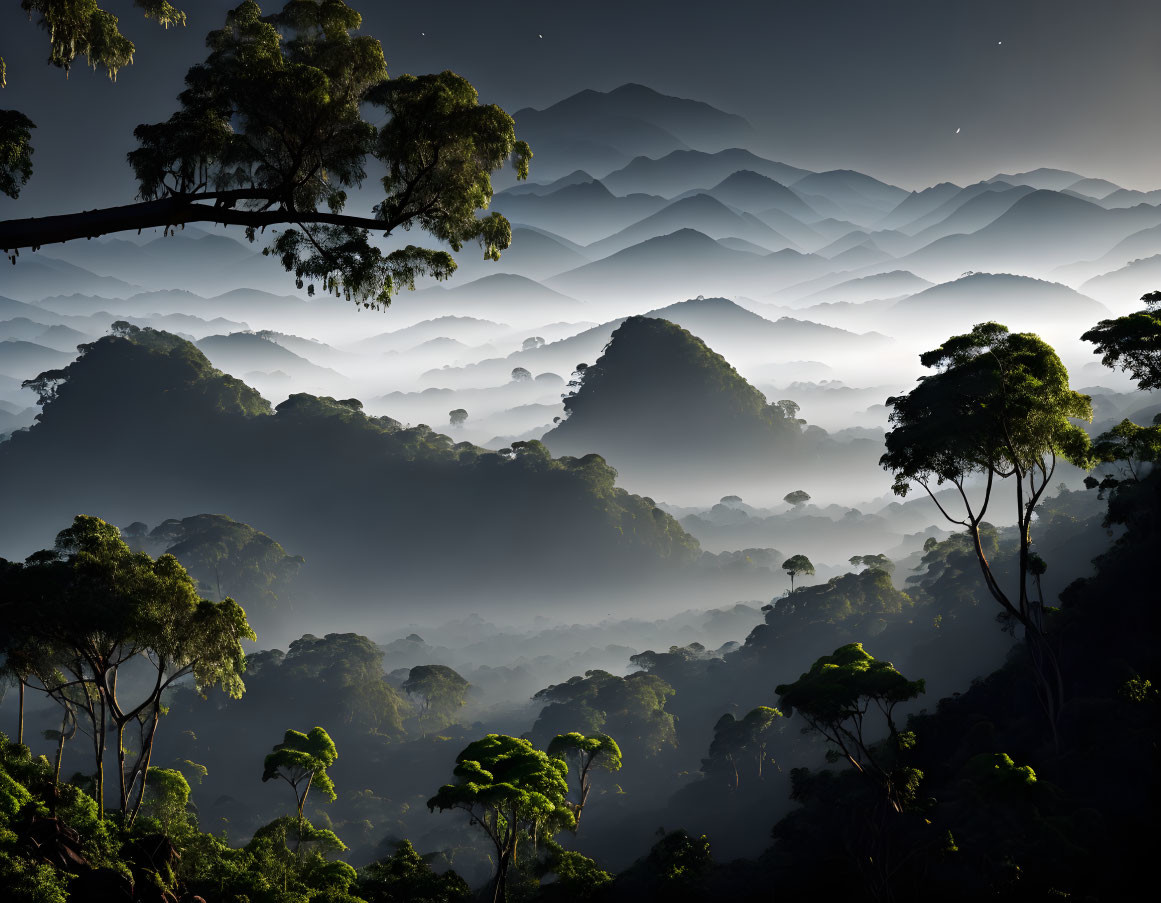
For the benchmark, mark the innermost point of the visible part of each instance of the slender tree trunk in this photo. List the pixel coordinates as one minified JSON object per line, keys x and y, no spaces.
{"x":101,"y":768}
{"x":60,"y":743}
{"x":124,"y":790}
{"x":143,"y":768}
{"x":20,"y":716}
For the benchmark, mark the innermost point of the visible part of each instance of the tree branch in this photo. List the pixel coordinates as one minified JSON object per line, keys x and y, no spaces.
{"x":171,"y":211}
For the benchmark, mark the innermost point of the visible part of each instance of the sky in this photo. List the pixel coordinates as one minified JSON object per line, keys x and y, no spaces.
{"x":876,"y":85}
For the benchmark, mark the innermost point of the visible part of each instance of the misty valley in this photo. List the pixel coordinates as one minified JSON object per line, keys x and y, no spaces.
{"x":402,"y":500}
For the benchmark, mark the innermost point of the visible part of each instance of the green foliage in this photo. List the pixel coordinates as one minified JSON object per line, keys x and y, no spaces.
{"x":998,"y":774}
{"x":796,"y":498}
{"x":441,"y":691}
{"x":834,"y":697}
{"x":302,"y":760}
{"x":406,"y":877}
{"x":82,"y":28}
{"x":632,"y":708}
{"x":880,"y":562}
{"x":736,"y":741}
{"x":578,"y":878}
{"x":999,"y":404}
{"x":1135,"y":449}
{"x":508,"y":788}
{"x":167,"y":800}
{"x":1132,"y":343}
{"x":676,"y":868}
{"x":305,"y":872}
{"x":90,"y":607}
{"x":586,"y":753}
{"x":868,"y":597}
{"x":273,"y":120}
{"x":344,"y":670}
{"x":228,"y":558}
{"x":797,"y":565}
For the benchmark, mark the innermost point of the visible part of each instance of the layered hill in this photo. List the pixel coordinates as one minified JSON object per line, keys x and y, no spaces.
{"x":142,"y":428}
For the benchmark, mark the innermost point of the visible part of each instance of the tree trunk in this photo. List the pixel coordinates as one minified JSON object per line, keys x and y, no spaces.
{"x":500,"y":890}
{"x":100,"y":741}
{"x":60,"y":743}
{"x":124,"y":791}
{"x":20,"y":717}
{"x":143,"y":768}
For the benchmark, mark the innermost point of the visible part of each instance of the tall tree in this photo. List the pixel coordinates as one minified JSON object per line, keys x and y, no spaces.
{"x":106,"y":611}
{"x":796,"y":565}
{"x":271,"y":133}
{"x":441,"y":692}
{"x":999,"y":406}
{"x":1132,"y":343}
{"x":508,"y":788}
{"x":302,"y":760}
{"x":835,"y":696}
{"x":745,"y":738}
{"x":586,"y":754}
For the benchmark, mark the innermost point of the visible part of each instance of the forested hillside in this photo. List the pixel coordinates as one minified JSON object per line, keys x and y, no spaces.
{"x":731,"y":476}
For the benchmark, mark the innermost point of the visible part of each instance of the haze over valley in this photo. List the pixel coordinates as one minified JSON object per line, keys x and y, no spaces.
{"x":670,"y":449}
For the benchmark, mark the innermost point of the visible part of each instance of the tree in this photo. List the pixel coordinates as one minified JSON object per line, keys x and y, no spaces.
{"x":736,"y":739}
{"x":457,"y":417}
{"x":998,"y":406}
{"x":302,"y":760}
{"x":789,"y":408}
{"x":508,"y":787}
{"x":441,"y":690}
{"x":586,"y":753}
{"x":532,"y":343}
{"x":795,"y":565}
{"x":406,"y":877}
{"x":270,"y":133}
{"x":75,"y":29}
{"x":1135,"y":449}
{"x":796,"y":498}
{"x":632,"y":708}
{"x":1132,"y":343}
{"x":880,"y":562}
{"x":103,"y":610}
{"x":521,"y":375}
{"x":835,"y":696}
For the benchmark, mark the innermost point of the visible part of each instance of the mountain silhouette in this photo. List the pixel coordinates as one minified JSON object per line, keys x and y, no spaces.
{"x":683,"y":170}
{"x":702,"y":212}
{"x":659,"y":393}
{"x":753,"y":192}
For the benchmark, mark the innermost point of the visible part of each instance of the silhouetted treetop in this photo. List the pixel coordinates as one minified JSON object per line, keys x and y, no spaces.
{"x":271,"y":133}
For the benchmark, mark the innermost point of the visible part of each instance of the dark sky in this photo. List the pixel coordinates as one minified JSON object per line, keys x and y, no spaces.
{"x":875,"y":85}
